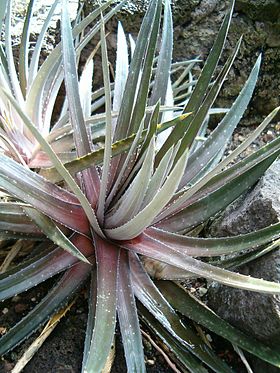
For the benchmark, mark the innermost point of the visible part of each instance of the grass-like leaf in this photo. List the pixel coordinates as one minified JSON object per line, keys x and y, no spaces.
{"x":10,"y":58}
{"x":121,"y":68}
{"x":81,"y":137}
{"x":34,"y":63}
{"x":108,"y":127}
{"x":24,"y":48}
{"x":123,"y":129}
{"x":164,"y":58}
{"x":128,"y":319}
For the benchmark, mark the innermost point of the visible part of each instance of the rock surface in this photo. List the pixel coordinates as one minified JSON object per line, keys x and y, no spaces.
{"x":255,"y":210}
{"x":196,"y":23}
{"x":255,"y":313}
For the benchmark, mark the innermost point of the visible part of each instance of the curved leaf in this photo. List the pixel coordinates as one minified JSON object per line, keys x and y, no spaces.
{"x":52,"y":231}
{"x":255,"y":164}
{"x":108,"y":127}
{"x":24,"y":49}
{"x":204,"y":247}
{"x":201,"y":209}
{"x":184,"y":355}
{"x":57,"y":163}
{"x":81,"y":138}
{"x":13,"y":219}
{"x":220,"y":136}
{"x":129,"y":204}
{"x":151,"y":248}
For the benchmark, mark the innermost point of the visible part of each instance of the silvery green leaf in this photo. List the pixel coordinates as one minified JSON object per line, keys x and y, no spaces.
{"x":150,"y":296}
{"x":208,"y":247}
{"x":85,"y":88}
{"x":202,"y":85}
{"x":24,"y":49}
{"x":107,"y":258}
{"x":147,"y":246}
{"x":121,"y":68}
{"x":129,"y":204}
{"x":108,"y":127}
{"x":220,"y":136}
{"x":190,"y":306}
{"x":128,"y":319}
{"x":145,"y":217}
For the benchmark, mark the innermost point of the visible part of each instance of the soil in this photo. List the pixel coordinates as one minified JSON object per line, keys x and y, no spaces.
{"x":62,"y":352}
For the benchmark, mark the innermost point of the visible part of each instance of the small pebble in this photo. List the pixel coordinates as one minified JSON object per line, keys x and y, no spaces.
{"x":147,"y":345}
{"x":202,"y":291}
{"x":20,"y":307}
{"x":209,"y":338}
{"x":8,"y":366}
{"x":241,"y":138}
{"x":269,"y":136}
{"x":150,"y":362}
{"x":5,"y":310}
{"x":3,"y":330}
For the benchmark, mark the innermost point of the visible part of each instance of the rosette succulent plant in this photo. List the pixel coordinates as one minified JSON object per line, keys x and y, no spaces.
{"x":117,"y":200}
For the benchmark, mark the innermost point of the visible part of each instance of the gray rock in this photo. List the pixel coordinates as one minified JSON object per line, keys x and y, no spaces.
{"x":263,"y":10}
{"x":254,"y":210}
{"x":255,"y":313}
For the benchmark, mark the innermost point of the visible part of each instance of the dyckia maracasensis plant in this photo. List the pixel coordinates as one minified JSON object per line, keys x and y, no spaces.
{"x":117,"y":196}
